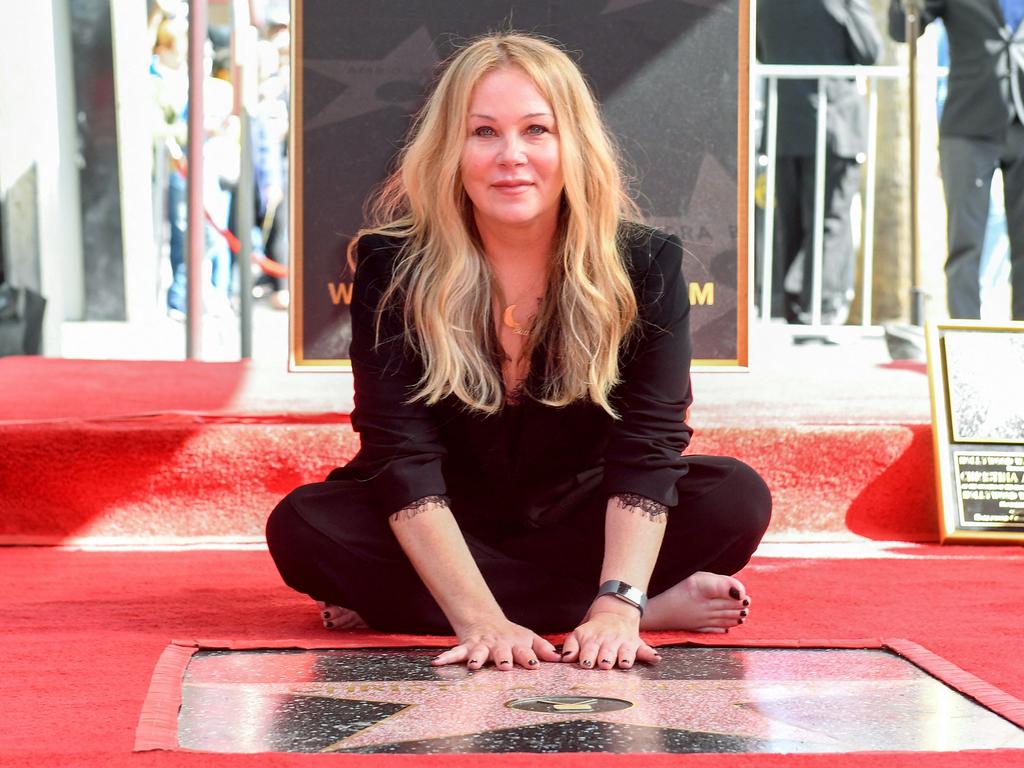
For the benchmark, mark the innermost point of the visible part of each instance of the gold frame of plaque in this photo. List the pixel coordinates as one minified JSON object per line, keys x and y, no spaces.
{"x":979,"y":460}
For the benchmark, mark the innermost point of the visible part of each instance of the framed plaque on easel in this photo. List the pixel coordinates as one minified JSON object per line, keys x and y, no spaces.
{"x":976,"y":374}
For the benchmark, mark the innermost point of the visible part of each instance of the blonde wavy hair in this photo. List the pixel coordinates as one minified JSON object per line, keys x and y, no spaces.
{"x":442,"y":276}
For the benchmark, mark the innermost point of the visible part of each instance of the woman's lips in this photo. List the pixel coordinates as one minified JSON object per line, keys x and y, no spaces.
{"x":510,"y":187}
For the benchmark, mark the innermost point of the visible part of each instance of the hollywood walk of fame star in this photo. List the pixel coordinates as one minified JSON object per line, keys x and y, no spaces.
{"x":409,"y":66}
{"x":471,"y":703}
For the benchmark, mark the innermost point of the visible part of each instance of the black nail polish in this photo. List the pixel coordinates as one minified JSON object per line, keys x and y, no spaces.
{"x":586,"y":663}
{"x":743,"y":613}
{"x":472,"y":661}
{"x":566,"y":653}
{"x":626,"y":662}
{"x":506,"y":661}
{"x":734,"y":593}
{"x":740,"y":621}
{"x":532,"y":662}
{"x":605,"y":661}
{"x":327,"y":614}
{"x":329,"y":625}
{"x":746,"y":601}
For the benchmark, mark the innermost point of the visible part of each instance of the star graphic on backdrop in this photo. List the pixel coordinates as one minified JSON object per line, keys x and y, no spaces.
{"x":706,"y":227}
{"x":406,"y":69}
{"x":473,"y":703}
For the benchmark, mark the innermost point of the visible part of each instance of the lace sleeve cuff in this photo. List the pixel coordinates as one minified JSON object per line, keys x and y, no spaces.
{"x":410,"y":511}
{"x":634,"y":502}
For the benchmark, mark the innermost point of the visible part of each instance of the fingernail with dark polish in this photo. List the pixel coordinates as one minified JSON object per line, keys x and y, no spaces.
{"x":566,"y":653}
{"x":605,"y":661}
{"x":734,"y":593}
{"x":473,"y":661}
{"x":506,"y":661}
{"x":746,"y":601}
{"x":743,"y":613}
{"x":532,"y":662}
{"x":327,"y":614}
{"x":586,"y":662}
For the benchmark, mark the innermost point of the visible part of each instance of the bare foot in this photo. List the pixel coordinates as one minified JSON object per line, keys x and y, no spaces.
{"x":704,"y":602}
{"x":336,"y":617}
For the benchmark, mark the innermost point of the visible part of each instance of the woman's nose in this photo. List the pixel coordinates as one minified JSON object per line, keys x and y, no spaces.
{"x":512,"y":151}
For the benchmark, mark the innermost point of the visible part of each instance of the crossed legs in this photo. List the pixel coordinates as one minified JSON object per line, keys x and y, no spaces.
{"x":329,"y":542}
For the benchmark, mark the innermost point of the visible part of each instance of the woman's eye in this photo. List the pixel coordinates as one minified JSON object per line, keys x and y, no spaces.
{"x":484,"y":130}
{"x":536,"y":130}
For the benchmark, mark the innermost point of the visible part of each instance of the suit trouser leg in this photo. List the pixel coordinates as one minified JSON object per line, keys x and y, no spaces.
{"x":1012,"y":164}
{"x":789,"y":230}
{"x":842,"y":179}
{"x":542,"y":578}
{"x":967,"y":167}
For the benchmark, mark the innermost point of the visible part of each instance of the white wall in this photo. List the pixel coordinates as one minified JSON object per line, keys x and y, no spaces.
{"x":37,"y":130}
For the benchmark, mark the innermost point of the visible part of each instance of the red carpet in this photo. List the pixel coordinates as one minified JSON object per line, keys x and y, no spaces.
{"x":83,"y":632}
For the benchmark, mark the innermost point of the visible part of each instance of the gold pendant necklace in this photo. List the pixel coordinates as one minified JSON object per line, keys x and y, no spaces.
{"x":510,"y":322}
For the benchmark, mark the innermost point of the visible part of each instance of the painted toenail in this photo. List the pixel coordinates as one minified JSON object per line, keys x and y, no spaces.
{"x":532,"y":662}
{"x":605,"y":661}
{"x":506,"y":661}
{"x":743,"y":613}
{"x":746,"y":601}
{"x":734,"y":593}
{"x":329,"y":625}
{"x":586,"y":662}
{"x":327,"y":614}
{"x":566,"y":653}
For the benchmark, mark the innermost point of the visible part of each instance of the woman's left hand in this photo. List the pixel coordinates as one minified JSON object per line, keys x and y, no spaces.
{"x":608,"y":637}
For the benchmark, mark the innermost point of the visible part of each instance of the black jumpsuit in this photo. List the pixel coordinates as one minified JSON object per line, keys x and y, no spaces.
{"x":529,"y":485}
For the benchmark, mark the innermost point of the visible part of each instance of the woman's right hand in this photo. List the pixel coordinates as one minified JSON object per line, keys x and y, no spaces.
{"x":501,"y":641}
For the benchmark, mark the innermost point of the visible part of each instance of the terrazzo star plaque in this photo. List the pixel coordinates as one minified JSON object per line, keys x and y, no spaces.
{"x":696,"y":700}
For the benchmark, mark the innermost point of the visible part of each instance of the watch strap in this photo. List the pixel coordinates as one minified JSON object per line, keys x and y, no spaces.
{"x":625,"y":592}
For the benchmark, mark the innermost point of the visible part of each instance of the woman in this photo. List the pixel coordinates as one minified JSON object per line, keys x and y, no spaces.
{"x":520,"y":355}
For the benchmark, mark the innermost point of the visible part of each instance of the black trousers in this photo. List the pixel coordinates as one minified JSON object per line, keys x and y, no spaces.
{"x":967,"y":168}
{"x":329,"y":542}
{"x":794,"y":241}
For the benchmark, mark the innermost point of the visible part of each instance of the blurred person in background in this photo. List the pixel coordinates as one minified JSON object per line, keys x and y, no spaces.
{"x":817,"y":32}
{"x":982,"y":129}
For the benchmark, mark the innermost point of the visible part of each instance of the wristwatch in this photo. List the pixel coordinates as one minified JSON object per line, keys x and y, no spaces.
{"x":625,"y":592}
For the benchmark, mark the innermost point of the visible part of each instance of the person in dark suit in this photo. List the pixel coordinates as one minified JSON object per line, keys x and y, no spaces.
{"x":980,"y":130}
{"x":520,"y":353}
{"x":819,"y":32}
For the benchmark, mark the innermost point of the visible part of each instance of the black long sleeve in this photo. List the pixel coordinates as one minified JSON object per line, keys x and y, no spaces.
{"x":401,"y":452}
{"x":645,"y":445}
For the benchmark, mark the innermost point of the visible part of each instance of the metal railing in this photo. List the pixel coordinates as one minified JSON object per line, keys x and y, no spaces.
{"x":772,"y":73}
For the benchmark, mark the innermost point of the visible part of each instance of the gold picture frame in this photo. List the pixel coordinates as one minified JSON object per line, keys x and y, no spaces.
{"x":975,"y":377}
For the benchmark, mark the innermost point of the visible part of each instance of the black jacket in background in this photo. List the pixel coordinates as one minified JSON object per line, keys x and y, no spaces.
{"x":821,"y":32}
{"x":530,"y":459}
{"x":984,"y":65}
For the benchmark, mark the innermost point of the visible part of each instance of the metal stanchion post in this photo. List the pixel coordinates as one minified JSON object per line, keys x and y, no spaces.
{"x":906,"y":342}
{"x":912,"y":11}
{"x":245,"y":92}
{"x":195,"y":251}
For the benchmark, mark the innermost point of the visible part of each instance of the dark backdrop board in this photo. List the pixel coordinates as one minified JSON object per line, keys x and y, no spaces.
{"x":671,"y":77}
{"x":93,"y":53}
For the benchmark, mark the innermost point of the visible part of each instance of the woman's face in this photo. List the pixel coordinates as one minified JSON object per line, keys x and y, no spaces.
{"x":511,"y":161}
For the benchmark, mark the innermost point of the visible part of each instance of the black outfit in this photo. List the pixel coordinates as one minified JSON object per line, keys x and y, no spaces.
{"x":529,"y":485}
{"x":816,"y":32}
{"x":980,"y":130}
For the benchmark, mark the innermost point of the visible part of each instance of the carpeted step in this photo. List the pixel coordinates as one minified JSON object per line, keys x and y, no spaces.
{"x":172,"y":477}
{"x":170,"y":451}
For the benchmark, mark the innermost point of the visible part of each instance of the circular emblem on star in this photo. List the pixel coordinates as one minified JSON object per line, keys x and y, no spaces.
{"x":569,"y":705}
